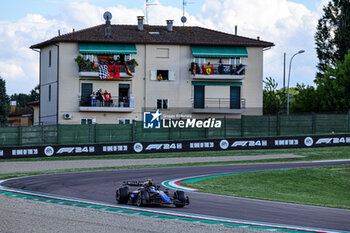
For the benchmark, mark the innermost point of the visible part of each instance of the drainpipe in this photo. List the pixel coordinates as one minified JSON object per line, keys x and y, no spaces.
{"x":39,"y":51}
{"x":57,"y":81}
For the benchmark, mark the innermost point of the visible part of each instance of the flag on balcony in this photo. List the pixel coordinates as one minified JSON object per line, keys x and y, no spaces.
{"x":127,"y":70}
{"x":109,"y":71}
{"x":208,"y":69}
{"x":114,"y":72}
{"x":194,"y":70}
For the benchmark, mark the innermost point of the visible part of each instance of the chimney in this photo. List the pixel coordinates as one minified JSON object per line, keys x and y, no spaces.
{"x":258,"y":38}
{"x":236,"y":29}
{"x":13,"y":106}
{"x":59,"y":32}
{"x":108,"y":29}
{"x":73,"y":29}
{"x":169,"y":25}
{"x":140,"y":23}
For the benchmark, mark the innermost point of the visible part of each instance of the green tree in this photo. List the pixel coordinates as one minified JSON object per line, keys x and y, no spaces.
{"x":4,"y":103}
{"x":23,"y":99}
{"x":334,"y":89}
{"x":305,"y":99}
{"x":333,"y":35}
{"x":274,"y":101}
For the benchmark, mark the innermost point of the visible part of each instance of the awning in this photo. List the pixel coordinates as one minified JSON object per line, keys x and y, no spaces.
{"x":218,"y":51}
{"x":90,"y":48}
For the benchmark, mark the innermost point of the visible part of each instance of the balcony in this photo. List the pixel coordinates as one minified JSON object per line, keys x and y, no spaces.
{"x":113,"y":105}
{"x":88,"y":69}
{"x":219,"y":105}
{"x":218,"y":71}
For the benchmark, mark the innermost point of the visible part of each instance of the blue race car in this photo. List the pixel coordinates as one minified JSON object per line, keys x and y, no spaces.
{"x":149,"y":194}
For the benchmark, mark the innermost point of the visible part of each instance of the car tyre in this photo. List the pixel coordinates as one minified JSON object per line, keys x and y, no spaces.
{"x":142,"y":198}
{"x":180,"y":196}
{"x":122,"y":195}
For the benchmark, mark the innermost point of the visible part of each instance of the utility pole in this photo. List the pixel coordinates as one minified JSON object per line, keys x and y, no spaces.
{"x":284,"y":72}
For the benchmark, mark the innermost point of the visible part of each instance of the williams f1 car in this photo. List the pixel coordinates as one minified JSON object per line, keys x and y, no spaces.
{"x":149,"y":194}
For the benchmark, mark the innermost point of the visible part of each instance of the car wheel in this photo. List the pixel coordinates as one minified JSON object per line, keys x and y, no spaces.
{"x":122,"y":195}
{"x":180,"y":196}
{"x":142,"y":198}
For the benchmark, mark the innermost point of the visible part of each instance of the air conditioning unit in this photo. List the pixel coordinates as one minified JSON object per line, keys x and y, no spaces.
{"x":67,"y":116}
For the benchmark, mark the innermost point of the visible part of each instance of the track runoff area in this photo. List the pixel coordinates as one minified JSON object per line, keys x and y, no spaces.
{"x":180,"y":184}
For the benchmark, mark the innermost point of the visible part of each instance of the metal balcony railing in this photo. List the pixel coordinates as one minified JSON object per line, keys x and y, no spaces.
{"x":112,"y":103}
{"x":221,"y":69}
{"x":220,"y":103}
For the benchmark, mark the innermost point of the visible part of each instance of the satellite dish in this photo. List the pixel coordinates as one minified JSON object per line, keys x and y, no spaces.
{"x":183,"y":19}
{"x":107,"y":15}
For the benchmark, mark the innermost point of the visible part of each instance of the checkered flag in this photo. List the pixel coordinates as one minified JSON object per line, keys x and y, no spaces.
{"x":103,"y":71}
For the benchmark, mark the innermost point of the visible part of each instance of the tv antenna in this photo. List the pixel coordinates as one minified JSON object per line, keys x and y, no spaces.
{"x":147,"y":5}
{"x":183,"y":18}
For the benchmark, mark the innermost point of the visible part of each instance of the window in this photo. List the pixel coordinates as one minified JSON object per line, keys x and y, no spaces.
{"x":235,"y":61}
{"x":162,"y":103}
{"x":199,"y":60}
{"x":50,"y":58}
{"x":124,"y":121}
{"x":86,"y":121}
{"x":162,"y":75}
{"x":49,"y":92}
{"x":162,"y":53}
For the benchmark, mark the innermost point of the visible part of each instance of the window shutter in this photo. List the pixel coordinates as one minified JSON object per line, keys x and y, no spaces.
{"x":171,"y":75}
{"x":153,"y":75}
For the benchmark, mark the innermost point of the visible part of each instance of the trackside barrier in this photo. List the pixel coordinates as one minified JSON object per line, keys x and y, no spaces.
{"x":247,"y":126}
{"x":249,"y":143}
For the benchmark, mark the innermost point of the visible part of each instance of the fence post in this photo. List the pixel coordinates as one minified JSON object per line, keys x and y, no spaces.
{"x":278,"y":127}
{"x":42,"y":135}
{"x":268,"y":125}
{"x":242,"y":125}
{"x":225,"y":126}
{"x":348,"y":128}
{"x":135,"y":131}
{"x":19,"y":135}
{"x":313,"y":123}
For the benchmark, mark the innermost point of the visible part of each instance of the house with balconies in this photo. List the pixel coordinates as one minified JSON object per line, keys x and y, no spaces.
{"x":180,"y":70}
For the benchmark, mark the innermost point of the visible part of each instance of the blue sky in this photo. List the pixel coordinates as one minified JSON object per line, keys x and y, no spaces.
{"x":290,"y":24}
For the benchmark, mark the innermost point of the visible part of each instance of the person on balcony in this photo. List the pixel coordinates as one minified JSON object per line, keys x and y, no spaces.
{"x":107,"y":98}
{"x":99,"y":98}
{"x":93,"y":99}
{"x":220,"y":67}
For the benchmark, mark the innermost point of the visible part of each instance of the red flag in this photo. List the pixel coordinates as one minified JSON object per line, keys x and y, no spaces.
{"x":208,"y":69}
{"x":194,"y":70}
{"x":113,"y":71}
{"x":127,"y":70}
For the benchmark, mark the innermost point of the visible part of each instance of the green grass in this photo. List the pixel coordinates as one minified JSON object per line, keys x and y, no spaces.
{"x":310,"y":153}
{"x":324,"y":186}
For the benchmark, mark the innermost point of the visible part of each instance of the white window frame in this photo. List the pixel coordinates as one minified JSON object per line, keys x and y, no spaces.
{"x":171,"y":75}
{"x":87,"y":121}
{"x":162,"y":103}
{"x":121,"y":121}
{"x":235,"y":61}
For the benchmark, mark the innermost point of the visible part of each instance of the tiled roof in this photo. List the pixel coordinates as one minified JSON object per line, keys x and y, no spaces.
{"x":179,"y":35}
{"x":23,"y":111}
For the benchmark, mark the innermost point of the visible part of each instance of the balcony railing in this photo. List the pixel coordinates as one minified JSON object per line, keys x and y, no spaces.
{"x":91,"y":68}
{"x":219,"y":105}
{"x":114,"y":105}
{"x":218,"y":71}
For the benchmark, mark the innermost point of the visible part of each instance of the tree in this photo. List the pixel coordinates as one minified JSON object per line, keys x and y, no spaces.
{"x":333,"y":35}
{"x":305,"y":99}
{"x":4,"y":103}
{"x":334,"y":89}
{"x":274,"y":101}
{"x":23,"y":99}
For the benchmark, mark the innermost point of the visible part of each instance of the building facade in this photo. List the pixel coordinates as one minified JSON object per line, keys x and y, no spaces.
{"x":178,"y":70}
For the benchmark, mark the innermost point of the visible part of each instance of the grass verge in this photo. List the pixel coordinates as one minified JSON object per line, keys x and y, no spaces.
{"x":323,"y":186}
{"x":310,"y":154}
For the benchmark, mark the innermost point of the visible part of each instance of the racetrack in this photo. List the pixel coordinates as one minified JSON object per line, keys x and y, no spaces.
{"x":99,"y":186}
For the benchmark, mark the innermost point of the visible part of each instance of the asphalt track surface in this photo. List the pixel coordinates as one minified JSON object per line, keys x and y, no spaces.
{"x":101,"y":185}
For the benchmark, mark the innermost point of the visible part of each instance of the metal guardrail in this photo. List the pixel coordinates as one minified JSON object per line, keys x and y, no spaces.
{"x":112,"y":103}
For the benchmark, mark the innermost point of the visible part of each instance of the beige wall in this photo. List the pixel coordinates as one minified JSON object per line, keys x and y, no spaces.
{"x":175,"y":58}
{"x":252,"y":85}
{"x":48,"y":80}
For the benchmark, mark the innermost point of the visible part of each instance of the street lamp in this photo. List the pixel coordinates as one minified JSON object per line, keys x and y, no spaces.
{"x":290,"y":65}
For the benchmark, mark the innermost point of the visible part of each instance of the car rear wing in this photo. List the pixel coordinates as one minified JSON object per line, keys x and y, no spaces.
{"x":134,"y":183}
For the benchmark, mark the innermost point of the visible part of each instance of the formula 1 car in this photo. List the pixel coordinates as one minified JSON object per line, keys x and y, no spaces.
{"x":149,"y":194}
